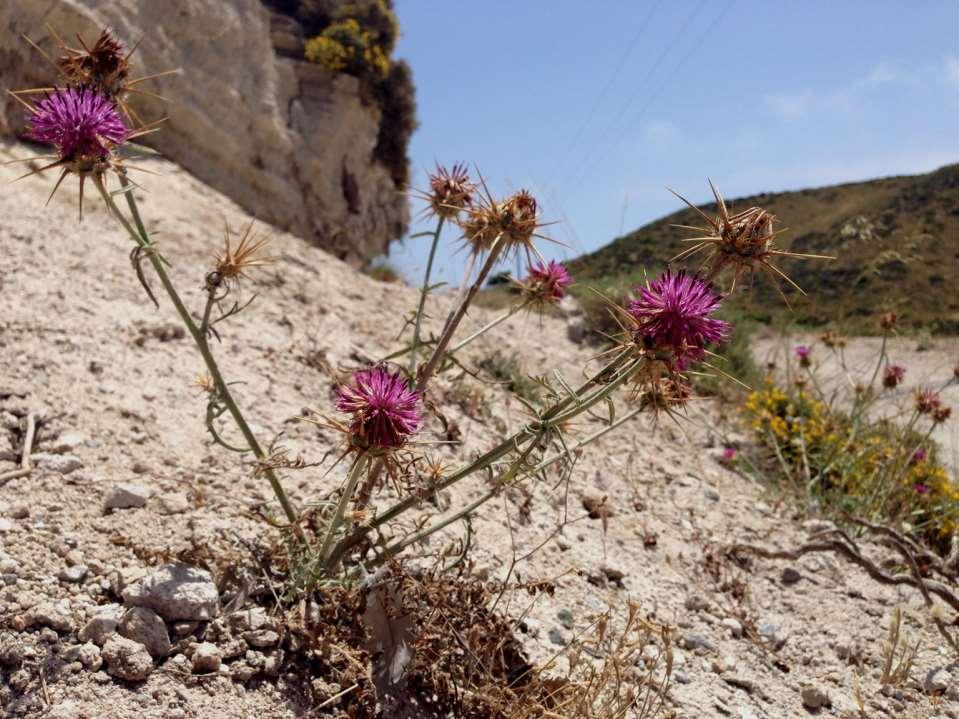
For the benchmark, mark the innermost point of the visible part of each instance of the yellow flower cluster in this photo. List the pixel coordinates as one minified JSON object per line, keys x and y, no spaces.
{"x":869,"y":469}
{"x":345,"y":46}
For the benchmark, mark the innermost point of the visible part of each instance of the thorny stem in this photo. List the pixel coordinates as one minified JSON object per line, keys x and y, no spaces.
{"x":337,"y":519}
{"x":423,"y":294}
{"x":513,"y":442}
{"x":141,"y":237}
{"x":488,"y":326}
{"x":426,"y":372}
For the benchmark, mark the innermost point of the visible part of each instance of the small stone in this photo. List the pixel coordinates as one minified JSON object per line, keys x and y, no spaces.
{"x":681,"y":677}
{"x":173,"y":503}
{"x":88,"y":654}
{"x":60,"y":463}
{"x":262,"y":638}
{"x":697,"y":603}
{"x":127,"y":659}
{"x":813,"y":697}
{"x":9,"y":565}
{"x":734,"y":626}
{"x":557,"y":637}
{"x":565,"y":618}
{"x":936,"y":681}
{"x":695,"y":642}
{"x":102,"y":625}
{"x":206,"y":658}
{"x":711,"y":494}
{"x":815,"y":526}
{"x":773,"y":634}
{"x":146,"y":627}
{"x":5,"y":525}
{"x":19,"y":511}
{"x":175,"y":592}
{"x":790,"y":576}
{"x":74,"y":574}
{"x":55,"y":616}
{"x":67,"y":442}
{"x":127,"y":496}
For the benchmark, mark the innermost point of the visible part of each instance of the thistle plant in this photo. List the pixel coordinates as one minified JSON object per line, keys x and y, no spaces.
{"x":383,"y":411}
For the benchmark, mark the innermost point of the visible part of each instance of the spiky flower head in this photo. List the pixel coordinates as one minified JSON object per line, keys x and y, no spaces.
{"x":832,"y":339}
{"x":941,"y":413}
{"x":919,"y":455}
{"x":104,"y":66}
{"x":235,"y":263}
{"x":450,"y":191}
{"x":743,"y":242}
{"x":547,"y":282}
{"x":927,"y":400}
{"x":84,"y":125}
{"x":893,"y":375}
{"x":888,"y":321}
{"x":511,"y":224}
{"x":804,"y":355}
{"x":673,"y":314}
{"x":728,"y":455}
{"x":384,"y":408}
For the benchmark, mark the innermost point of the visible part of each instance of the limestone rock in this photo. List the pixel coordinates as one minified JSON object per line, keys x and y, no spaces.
{"x":286,"y":139}
{"x":176,"y":591}
{"x":127,"y":659}
{"x":145,"y":626}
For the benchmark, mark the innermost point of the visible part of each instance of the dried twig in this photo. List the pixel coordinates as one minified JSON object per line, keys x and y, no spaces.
{"x":14,"y":474}
{"x":28,"y":441}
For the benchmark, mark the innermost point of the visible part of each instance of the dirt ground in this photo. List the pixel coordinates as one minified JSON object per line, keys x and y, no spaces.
{"x":82,"y":348}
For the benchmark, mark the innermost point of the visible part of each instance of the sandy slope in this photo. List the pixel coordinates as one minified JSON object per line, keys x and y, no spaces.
{"x":78,"y":344}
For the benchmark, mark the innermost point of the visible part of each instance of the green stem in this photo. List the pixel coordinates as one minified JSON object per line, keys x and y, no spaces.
{"x":337,"y":519}
{"x":423,"y":294}
{"x":223,"y":390}
{"x":488,"y":326}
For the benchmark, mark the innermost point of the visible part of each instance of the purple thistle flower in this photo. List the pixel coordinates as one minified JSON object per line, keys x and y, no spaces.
{"x":79,"y":122}
{"x":673,"y":313}
{"x":383,"y":405}
{"x":921,"y":488}
{"x":728,"y":455}
{"x":892,"y":375}
{"x":804,"y":355}
{"x":549,"y":281}
{"x":919,"y":455}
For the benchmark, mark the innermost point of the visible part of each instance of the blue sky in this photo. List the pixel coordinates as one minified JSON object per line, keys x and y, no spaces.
{"x":598,"y":106}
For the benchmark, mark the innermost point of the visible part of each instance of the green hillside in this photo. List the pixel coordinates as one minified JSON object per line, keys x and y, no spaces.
{"x":896,"y":243}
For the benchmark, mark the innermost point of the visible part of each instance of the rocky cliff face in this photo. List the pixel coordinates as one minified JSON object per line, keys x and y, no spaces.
{"x":289,"y":141}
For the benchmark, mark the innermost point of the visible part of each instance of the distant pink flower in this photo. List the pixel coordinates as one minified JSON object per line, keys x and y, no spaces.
{"x":728,"y":455}
{"x":79,"y":122}
{"x":919,"y":455}
{"x":927,"y":400}
{"x":921,"y":488}
{"x":384,"y":407}
{"x":673,"y":313}
{"x":548,"y":281}
{"x":804,"y":355}
{"x":892,"y":375}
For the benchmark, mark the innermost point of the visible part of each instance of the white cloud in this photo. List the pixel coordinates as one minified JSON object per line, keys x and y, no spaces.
{"x":952,"y":69}
{"x":885,"y":73}
{"x":789,"y":105}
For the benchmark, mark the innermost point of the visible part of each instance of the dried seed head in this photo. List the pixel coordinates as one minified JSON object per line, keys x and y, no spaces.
{"x":941,"y":414}
{"x":832,"y":339}
{"x":104,"y":66}
{"x":927,"y":400}
{"x":234,"y":263}
{"x":205,"y":383}
{"x":450,"y":191}
{"x":513,"y":222}
{"x":888,"y":321}
{"x":743,"y":242}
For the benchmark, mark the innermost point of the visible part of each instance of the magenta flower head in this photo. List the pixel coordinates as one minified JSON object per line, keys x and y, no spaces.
{"x":385,"y":408}
{"x":82,"y":124}
{"x":547,"y":282}
{"x":728,"y":455}
{"x":892,"y":375}
{"x":919,"y":455}
{"x":673,"y":313}
{"x":804,"y":355}
{"x":921,"y":488}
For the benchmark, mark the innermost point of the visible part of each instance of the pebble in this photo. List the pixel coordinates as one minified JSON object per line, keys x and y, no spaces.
{"x":88,"y":654}
{"x":790,"y":576}
{"x":711,"y":494}
{"x":936,"y":681}
{"x":127,"y":496}
{"x":815,"y":526}
{"x":55,"y":616}
{"x":19,"y":511}
{"x":206,"y":658}
{"x":262,"y":638}
{"x":814,"y":697}
{"x":60,"y":463}
{"x":102,"y":625}
{"x":773,"y":634}
{"x":696,"y":642}
{"x":557,"y":637}
{"x":5,"y":525}
{"x":127,"y":659}
{"x":67,"y":442}
{"x":565,"y":618}
{"x":146,"y":627}
{"x":173,"y":503}
{"x":74,"y":574}
{"x":176,"y":592}
{"x":734,"y":626}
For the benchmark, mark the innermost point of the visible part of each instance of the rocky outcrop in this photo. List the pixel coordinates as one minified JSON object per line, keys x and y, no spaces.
{"x":291,"y":142}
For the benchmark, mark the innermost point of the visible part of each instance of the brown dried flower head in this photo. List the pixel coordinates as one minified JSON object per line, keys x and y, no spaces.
{"x":235,"y":263}
{"x":832,"y":339}
{"x":743,"y":242}
{"x":511,"y":224}
{"x":451,"y":191}
{"x":941,"y":414}
{"x":105,"y":65}
{"x":888,"y":321}
{"x":205,"y":383}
